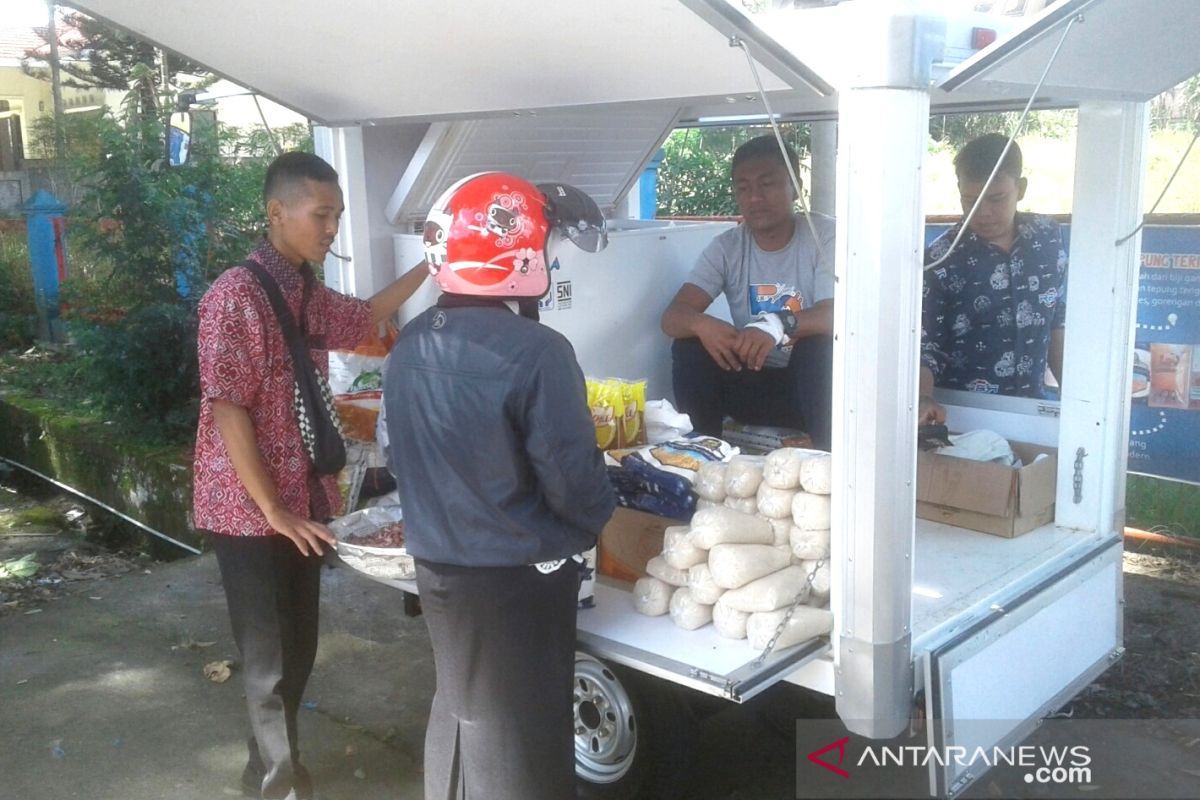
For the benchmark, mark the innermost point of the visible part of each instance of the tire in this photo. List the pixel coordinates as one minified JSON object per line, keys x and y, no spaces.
{"x":633,"y":734}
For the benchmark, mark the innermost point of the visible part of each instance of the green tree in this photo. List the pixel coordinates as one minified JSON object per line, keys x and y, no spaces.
{"x":95,"y":55}
{"x":955,"y":130}
{"x":693,"y":179}
{"x":140,"y":232}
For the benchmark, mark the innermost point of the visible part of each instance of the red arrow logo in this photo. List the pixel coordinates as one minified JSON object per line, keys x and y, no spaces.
{"x":840,"y":746}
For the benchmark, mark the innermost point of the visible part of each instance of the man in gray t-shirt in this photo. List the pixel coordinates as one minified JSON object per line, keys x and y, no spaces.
{"x":773,"y":365}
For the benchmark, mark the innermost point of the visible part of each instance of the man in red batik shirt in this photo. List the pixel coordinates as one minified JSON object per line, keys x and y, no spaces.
{"x":256,"y":491}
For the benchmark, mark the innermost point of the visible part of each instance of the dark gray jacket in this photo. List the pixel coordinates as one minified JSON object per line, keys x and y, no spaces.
{"x":492,"y":443}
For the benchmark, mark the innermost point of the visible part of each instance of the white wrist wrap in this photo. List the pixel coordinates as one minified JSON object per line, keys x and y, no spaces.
{"x":769,"y":324}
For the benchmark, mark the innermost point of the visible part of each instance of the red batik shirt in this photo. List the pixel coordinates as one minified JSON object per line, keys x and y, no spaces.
{"x":244,"y":360}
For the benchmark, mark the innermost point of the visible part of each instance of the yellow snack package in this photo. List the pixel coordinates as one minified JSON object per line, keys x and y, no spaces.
{"x":607,"y":410}
{"x":633,"y":427}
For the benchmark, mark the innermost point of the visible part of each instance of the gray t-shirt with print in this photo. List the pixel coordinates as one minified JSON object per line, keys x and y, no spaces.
{"x":754,"y":280}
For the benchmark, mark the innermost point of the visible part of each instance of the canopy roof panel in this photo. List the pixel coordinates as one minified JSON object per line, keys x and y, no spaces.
{"x":1116,"y":50}
{"x":360,"y":60}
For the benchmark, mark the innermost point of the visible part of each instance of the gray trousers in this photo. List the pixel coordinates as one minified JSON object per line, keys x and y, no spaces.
{"x":273,"y":593}
{"x":501,"y":726}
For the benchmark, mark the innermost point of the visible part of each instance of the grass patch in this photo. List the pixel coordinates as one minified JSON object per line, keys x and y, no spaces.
{"x":47,"y":381}
{"x":35,"y":516}
{"x":1169,"y":506}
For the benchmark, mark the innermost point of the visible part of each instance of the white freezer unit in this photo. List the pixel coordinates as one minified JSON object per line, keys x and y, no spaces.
{"x":608,"y":304}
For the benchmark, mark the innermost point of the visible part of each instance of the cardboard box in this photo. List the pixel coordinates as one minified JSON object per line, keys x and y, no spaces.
{"x":988,"y":497}
{"x":629,"y":540}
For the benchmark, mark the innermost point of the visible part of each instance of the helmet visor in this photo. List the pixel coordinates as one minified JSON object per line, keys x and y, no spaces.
{"x":576,"y":216}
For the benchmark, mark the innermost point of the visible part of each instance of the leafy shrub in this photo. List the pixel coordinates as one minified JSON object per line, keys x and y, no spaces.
{"x":142,"y":368}
{"x":139,"y":228}
{"x":18,"y":314}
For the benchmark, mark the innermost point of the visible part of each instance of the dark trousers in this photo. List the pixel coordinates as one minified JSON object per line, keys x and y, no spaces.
{"x":797,"y":396}
{"x":273,"y":594}
{"x":501,"y":726}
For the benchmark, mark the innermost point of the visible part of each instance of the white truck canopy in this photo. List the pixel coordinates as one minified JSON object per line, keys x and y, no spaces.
{"x":880,"y":66}
{"x":367,"y":62}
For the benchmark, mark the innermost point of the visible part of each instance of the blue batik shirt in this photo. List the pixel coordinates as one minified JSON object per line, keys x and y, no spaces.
{"x":987,"y":315}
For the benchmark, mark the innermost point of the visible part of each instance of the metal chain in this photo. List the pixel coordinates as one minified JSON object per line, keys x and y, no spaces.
{"x":801,"y":596}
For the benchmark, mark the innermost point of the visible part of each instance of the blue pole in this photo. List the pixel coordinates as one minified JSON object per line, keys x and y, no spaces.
{"x":47,"y":258}
{"x":648,"y":188}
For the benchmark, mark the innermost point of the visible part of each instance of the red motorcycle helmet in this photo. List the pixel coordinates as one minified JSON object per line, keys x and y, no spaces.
{"x":486,"y":236}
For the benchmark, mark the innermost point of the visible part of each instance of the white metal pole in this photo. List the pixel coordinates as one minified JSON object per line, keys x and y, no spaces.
{"x":824,"y":167}
{"x":877,"y":339}
{"x":343,"y":149}
{"x":1101,"y":310}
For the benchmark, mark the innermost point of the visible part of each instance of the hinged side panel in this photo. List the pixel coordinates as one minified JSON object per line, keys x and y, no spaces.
{"x":989,"y":686}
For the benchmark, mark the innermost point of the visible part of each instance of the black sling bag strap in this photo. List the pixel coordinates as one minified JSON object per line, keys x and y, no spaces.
{"x":320,"y":426}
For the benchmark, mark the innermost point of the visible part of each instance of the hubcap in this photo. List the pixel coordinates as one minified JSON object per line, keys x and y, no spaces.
{"x":605,"y":733}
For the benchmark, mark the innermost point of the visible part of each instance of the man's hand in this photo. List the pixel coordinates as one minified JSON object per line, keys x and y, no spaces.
{"x":304,"y":533}
{"x":930,"y":412}
{"x":753,"y":346}
{"x":721,"y":340}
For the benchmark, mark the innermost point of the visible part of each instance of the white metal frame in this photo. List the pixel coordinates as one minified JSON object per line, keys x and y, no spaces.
{"x":1101,"y":312}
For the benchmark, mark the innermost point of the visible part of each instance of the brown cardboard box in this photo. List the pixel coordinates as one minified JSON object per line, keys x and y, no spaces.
{"x":987,"y":497}
{"x":628,"y":541}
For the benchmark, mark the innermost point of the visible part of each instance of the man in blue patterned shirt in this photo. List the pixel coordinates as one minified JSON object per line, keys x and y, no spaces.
{"x":993,"y":310}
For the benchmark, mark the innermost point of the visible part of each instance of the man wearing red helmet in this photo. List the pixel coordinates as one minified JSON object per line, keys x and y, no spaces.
{"x":503,"y":487}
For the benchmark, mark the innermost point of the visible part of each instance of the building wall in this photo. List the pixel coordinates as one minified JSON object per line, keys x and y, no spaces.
{"x":33,"y":99}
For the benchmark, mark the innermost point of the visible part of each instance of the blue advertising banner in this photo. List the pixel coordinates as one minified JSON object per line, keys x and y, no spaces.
{"x":1164,"y":418}
{"x":1164,"y":421}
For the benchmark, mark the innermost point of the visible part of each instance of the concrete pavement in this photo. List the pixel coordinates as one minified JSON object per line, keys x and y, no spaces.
{"x":103,"y":697}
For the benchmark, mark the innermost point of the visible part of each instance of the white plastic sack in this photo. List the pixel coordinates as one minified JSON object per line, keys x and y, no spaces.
{"x":743,"y":474}
{"x":815,"y":473}
{"x":713,"y":526}
{"x":805,"y":623}
{"x":664,"y":423}
{"x":687,"y":613}
{"x":702,"y":504}
{"x":782,"y":468}
{"x":777,"y":590}
{"x":678,"y":550}
{"x":808,"y":545}
{"x":775,"y":503}
{"x":710,"y":481}
{"x":820,"y":583}
{"x":700,"y":581}
{"x":783,"y":530}
{"x":980,"y":445}
{"x":746,"y":505}
{"x":811,"y":511}
{"x":734,"y":565}
{"x":729,"y":622}
{"x":652,"y":597}
{"x":657,"y":567}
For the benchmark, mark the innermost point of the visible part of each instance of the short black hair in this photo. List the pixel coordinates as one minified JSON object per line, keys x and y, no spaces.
{"x":290,"y":169}
{"x":978,"y":156}
{"x":764,"y":147}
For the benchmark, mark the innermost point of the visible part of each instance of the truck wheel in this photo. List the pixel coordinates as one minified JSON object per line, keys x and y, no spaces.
{"x":633,"y":734}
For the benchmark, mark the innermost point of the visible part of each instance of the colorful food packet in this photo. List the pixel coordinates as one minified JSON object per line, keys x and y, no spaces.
{"x":633,"y":427}
{"x":607,"y":407}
